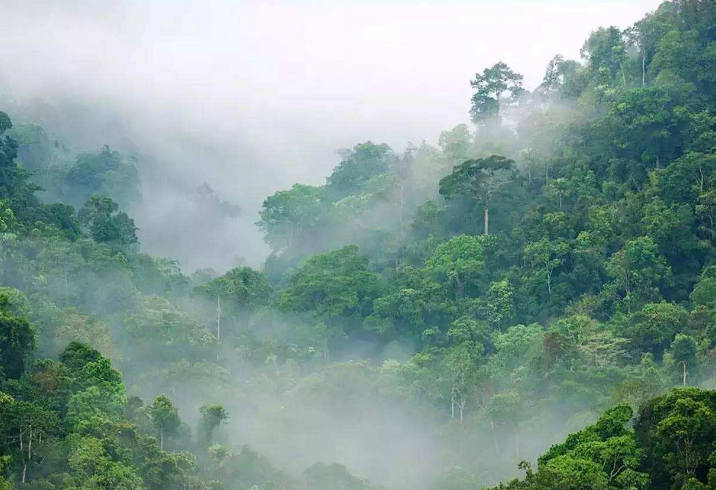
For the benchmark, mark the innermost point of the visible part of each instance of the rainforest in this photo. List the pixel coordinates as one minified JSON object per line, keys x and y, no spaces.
{"x":528,"y":303}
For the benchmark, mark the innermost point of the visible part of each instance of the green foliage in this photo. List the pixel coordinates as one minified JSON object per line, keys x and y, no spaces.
{"x":287,"y":215}
{"x":101,"y":217}
{"x":489,"y":87}
{"x":105,"y":173}
{"x":212,"y":416}
{"x":17,"y":336}
{"x":337,"y":287}
{"x":513,"y":281}
{"x":458,"y":263}
{"x":358,"y":167}
{"x":164,"y":417}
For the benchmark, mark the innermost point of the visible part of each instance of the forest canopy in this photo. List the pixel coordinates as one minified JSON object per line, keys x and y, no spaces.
{"x":531,"y":301}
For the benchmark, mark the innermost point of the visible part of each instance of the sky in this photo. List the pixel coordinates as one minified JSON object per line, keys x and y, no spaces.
{"x":252,"y":96}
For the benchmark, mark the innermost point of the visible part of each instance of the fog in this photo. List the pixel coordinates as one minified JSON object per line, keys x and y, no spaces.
{"x":253,"y":96}
{"x":223,"y":103}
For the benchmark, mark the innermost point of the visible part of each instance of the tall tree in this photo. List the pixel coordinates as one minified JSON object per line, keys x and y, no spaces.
{"x":105,"y":223}
{"x":489,"y":88}
{"x":480,"y":180}
{"x":165,"y":418}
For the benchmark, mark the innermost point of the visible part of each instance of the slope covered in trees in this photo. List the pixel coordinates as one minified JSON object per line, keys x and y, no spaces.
{"x":426,"y":319}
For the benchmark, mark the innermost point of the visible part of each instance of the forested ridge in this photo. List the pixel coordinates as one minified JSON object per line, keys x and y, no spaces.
{"x":535,"y":296}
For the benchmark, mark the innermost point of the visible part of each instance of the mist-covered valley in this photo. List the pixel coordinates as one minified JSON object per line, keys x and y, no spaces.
{"x":211,"y":283}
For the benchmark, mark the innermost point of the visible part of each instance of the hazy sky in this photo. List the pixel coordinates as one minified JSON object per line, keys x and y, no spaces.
{"x":252,"y":96}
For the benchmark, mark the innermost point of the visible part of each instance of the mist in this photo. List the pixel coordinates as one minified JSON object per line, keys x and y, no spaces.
{"x":251,"y":97}
{"x":377,"y":325}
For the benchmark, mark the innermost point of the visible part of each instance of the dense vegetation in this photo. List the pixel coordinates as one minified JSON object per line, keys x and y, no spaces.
{"x":455,"y":309}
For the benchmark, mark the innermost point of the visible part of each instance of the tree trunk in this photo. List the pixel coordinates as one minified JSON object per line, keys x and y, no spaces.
{"x":24,"y":471}
{"x":643,"y":70}
{"x":487,"y":219}
{"x":452,"y":403}
{"x":462,"y":409}
{"x":683,"y":364}
{"x":460,"y":288}
{"x":494,"y":438}
{"x":218,"y":317}
{"x":402,"y":211}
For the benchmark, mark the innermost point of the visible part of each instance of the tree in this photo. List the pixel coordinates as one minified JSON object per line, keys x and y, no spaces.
{"x":603,"y":455}
{"x":17,"y":339}
{"x":687,"y":178}
{"x":653,"y":328}
{"x":359,"y":165}
{"x":500,"y":304}
{"x":241,"y":291}
{"x":639,"y":271}
{"x":547,"y":255}
{"x":677,"y":431}
{"x":335,"y":287}
{"x":165,"y":418}
{"x":645,"y":35}
{"x":683,"y":350}
{"x":15,"y":186}
{"x":212,"y":416}
{"x":287,"y":216}
{"x":105,"y":223}
{"x":480,"y":180}
{"x":605,"y":52}
{"x":456,"y":144}
{"x":562,"y":78}
{"x":458,"y":262}
{"x":30,"y":422}
{"x":102,"y":173}
{"x":559,"y":188}
{"x":489,"y":87}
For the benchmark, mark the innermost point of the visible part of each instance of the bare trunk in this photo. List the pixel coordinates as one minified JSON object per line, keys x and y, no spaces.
{"x":218,"y":317}
{"x":494,"y":438}
{"x":643,"y":70}
{"x":462,"y":409}
{"x":487,"y":219}
{"x":683,"y":364}
{"x":549,"y":282}
{"x":161,"y":439}
{"x":452,"y":404}
{"x":402,"y":208}
{"x":24,"y":471}
{"x":460,"y":288}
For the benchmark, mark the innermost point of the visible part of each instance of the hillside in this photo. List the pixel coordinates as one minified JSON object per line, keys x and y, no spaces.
{"x":428,"y":318}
